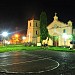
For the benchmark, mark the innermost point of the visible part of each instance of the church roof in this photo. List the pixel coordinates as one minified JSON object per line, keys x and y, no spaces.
{"x":56,"y":22}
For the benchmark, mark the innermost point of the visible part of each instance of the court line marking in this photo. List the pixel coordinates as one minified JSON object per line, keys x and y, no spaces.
{"x":41,"y":58}
{"x":33,"y":61}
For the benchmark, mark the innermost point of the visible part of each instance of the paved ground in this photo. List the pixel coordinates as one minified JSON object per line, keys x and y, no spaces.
{"x":65,"y":59}
{"x":37,"y":63}
{"x":25,"y":63}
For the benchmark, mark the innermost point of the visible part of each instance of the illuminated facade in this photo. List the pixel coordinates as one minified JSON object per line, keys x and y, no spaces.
{"x":60,"y":32}
{"x":15,"y":39}
{"x":33,"y":31}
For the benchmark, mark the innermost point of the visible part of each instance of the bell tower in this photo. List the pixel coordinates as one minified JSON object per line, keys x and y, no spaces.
{"x":33,"y":31}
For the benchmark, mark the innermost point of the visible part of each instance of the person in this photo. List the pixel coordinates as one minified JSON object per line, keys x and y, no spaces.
{"x":71,"y":46}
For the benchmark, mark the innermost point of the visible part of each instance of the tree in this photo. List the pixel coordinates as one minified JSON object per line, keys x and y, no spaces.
{"x":43,"y":26}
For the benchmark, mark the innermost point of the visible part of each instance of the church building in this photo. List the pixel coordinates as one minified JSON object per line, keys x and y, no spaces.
{"x":60,"y":32}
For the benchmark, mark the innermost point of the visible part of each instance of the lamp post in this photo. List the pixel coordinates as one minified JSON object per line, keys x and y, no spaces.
{"x":4,"y":34}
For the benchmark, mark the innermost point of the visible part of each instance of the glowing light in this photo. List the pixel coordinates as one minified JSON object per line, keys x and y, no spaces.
{"x":16,"y":35}
{"x":70,"y":37}
{"x":4,"y":34}
{"x":65,"y":36}
{"x":23,"y":37}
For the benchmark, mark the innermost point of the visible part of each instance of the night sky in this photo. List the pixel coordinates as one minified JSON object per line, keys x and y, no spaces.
{"x":16,"y":13}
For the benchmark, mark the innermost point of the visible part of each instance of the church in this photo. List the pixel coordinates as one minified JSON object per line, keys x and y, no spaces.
{"x":60,"y":32}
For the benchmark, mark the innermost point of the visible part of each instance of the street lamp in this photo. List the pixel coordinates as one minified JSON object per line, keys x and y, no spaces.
{"x":23,"y":38}
{"x":4,"y":34}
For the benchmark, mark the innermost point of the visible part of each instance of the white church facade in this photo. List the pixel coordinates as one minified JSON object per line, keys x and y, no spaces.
{"x":61,"y":33}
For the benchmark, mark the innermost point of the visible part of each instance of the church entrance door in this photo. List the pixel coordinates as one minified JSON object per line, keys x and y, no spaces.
{"x":55,"y":40}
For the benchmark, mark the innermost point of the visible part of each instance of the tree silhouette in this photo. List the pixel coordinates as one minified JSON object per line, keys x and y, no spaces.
{"x":43,"y":26}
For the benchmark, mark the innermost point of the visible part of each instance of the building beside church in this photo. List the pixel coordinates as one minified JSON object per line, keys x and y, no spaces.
{"x":33,"y":31}
{"x":60,"y":32}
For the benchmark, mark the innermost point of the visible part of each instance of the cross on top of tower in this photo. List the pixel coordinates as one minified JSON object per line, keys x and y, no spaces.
{"x":55,"y":17}
{"x":55,"y":14}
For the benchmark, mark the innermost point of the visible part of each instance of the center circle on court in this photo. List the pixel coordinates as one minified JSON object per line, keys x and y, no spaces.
{"x":33,"y":66}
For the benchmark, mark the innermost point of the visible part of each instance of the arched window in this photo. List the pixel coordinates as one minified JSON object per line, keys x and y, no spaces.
{"x":36,"y":24}
{"x":36,"y":32}
{"x":64,"y":30}
{"x":30,"y":23}
{"x":55,"y":26}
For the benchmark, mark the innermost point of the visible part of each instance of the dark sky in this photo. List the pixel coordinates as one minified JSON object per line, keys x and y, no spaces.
{"x":16,"y":13}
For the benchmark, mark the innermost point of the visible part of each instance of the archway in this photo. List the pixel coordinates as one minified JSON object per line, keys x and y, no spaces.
{"x":55,"y":39}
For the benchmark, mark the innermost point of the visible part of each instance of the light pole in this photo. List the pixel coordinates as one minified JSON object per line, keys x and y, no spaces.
{"x":4,"y":34}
